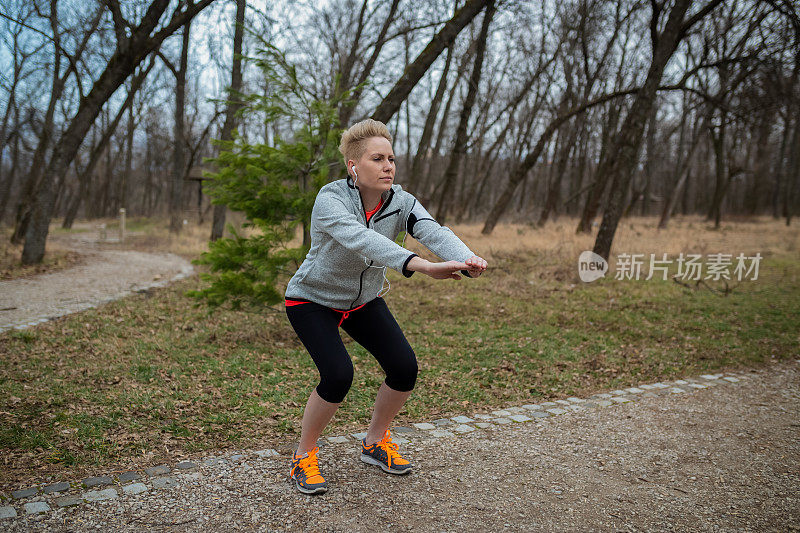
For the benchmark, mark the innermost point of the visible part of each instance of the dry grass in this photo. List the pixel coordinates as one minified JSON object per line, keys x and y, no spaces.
{"x":639,"y":235}
{"x":556,"y":242}
{"x":142,"y":234}
{"x":153,"y":235}
{"x":58,"y":257}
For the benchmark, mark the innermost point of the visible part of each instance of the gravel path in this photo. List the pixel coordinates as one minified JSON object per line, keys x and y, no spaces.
{"x":704,"y":454}
{"x":103,"y":276}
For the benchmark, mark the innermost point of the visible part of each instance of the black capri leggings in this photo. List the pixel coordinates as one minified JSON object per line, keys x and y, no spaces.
{"x":372,"y":326}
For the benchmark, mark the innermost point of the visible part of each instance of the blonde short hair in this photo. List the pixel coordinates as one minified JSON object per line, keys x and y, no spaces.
{"x":353,"y":142}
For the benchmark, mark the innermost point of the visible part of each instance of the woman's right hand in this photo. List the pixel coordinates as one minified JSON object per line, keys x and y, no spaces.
{"x":443,"y":270}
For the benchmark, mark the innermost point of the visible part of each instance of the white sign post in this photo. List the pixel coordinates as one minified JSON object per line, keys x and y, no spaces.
{"x":122,"y":224}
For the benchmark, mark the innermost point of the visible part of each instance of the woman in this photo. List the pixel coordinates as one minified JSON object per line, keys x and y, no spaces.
{"x":354,"y":223}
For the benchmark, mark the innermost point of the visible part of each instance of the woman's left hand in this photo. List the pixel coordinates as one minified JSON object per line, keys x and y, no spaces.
{"x":476,"y":266}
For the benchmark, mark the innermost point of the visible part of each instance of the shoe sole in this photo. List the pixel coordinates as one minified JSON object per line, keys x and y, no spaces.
{"x":318,"y":490}
{"x":370,"y":461}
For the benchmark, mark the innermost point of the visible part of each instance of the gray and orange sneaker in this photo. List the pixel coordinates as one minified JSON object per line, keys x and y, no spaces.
{"x":306,"y":475}
{"x":385,"y":455}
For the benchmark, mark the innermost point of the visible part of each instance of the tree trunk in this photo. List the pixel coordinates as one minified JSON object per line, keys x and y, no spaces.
{"x":554,"y":188}
{"x":108,"y":172}
{"x":36,"y":180}
{"x":520,"y":171}
{"x":11,"y":109}
{"x":600,"y":182}
{"x":793,"y":174}
{"x":126,"y":176}
{"x":427,"y":131}
{"x":75,"y":203}
{"x":28,"y":195}
{"x":483,"y":174}
{"x":626,"y":146}
{"x":7,"y":184}
{"x":179,"y":138}
{"x":720,"y":171}
{"x":84,"y":177}
{"x":460,"y":145}
{"x":59,"y":194}
{"x":428,"y":183}
{"x":649,"y":162}
{"x":218,"y":224}
{"x":671,"y":198}
{"x":347,"y":108}
{"x":576,"y":183}
{"x":778,"y":170}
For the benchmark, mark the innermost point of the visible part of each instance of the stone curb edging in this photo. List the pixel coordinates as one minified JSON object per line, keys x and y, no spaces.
{"x":36,"y":500}
{"x":186,"y":271}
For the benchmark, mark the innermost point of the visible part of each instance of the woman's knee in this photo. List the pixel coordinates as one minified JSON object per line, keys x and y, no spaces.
{"x":334,"y":385}
{"x":403,"y":377}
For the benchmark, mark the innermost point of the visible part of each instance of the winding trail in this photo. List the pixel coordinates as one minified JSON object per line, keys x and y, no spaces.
{"x":102,"y":276}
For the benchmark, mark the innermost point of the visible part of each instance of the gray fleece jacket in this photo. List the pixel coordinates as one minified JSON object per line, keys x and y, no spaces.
{"x":345,"y":266}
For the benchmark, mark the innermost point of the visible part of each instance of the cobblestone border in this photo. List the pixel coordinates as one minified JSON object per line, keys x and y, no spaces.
{"x":186,"y":271}
{"x":44,"y":498}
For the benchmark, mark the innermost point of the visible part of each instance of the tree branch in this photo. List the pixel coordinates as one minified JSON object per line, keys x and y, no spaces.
{"x":119,"y":21}
{"x":694,"y":19}
{"x":178,"y":19}
{"x":417,"y":69}
{"x":167,"y":62}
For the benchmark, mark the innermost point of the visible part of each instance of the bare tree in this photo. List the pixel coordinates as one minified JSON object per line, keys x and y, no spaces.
{"x":417,"y":69}
{"x":218,"y":224}
{"x":626,"y":144}
{"x":421,"y":155}
{"x":84,"y":176}
{"x":133,"y":44}
{"x":459,"y":145}
{"x":19,"y":57}
{"x":179,"y":135}
{"x":58,"y":83}
{"x":683,"y":170}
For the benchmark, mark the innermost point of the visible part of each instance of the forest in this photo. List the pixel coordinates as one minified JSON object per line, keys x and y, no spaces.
{"x":500,"y":110}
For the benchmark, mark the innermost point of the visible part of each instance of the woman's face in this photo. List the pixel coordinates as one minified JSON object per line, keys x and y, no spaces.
{"x":375,"y":168}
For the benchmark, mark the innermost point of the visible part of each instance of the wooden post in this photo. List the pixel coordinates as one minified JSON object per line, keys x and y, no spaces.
{"x":122,"y":224}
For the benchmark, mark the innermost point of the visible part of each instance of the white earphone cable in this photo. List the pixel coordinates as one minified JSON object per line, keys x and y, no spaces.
{"x":381,"y":292}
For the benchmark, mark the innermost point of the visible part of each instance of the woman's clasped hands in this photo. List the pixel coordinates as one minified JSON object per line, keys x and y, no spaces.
{"x":450,"y":269}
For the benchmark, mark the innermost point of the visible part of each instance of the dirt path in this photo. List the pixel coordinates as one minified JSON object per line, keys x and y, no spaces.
{"x":713,"y":459}
{"x":102,"y":276}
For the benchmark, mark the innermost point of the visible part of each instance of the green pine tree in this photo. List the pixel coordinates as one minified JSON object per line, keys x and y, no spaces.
{"x":273,"y":185}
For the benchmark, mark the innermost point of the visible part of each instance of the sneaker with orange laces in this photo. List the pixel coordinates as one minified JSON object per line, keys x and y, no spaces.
{"x":385,"y":455}
{"x":306,"y":475}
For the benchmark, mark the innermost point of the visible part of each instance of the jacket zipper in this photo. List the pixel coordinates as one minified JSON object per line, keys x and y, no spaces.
{"x":361,"y":277}
{"x":376,"y":219}
{"x":364,"y":210}
{"x":360,"y":287}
